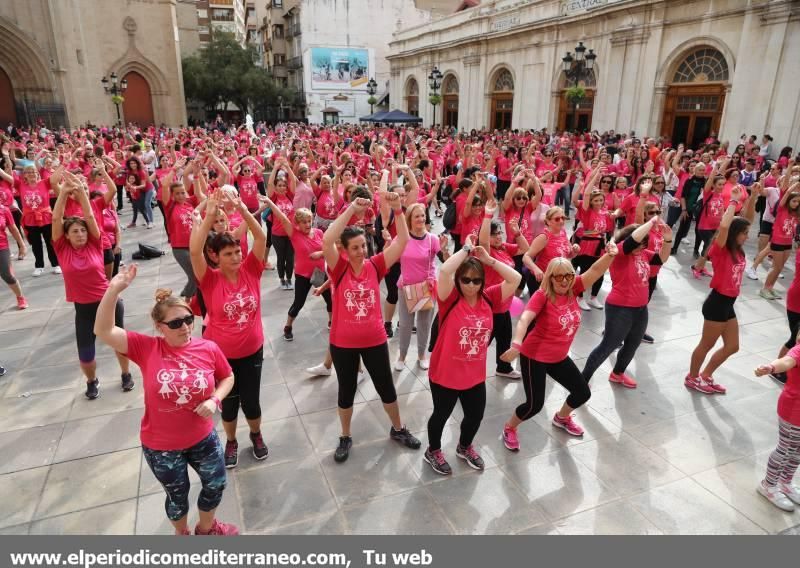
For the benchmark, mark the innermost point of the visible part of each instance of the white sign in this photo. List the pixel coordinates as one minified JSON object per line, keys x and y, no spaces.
{"x":505,"y":23}
{"x":345,"y":108}
{"x":570,"y":7}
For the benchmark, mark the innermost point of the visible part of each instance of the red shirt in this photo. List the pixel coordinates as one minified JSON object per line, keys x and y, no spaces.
{"x":713,"y":209}
{"x":789,"y":400}
{"x":6,"y":220}
{"x":504,"y":254}
{"x":556,"y":325}
{"x":727,"y":279}
{"x":326,"y":208}
{"x":357,"y":318}
{"x":84,"y":272}
{"x":35,"y":199}
{"x":179,"y":222}
{"x":630,"y":275}
{"x":557,"y":246}
{"x":303,"y":246}
{"x":630,"y":203}
{"x":793,"y":293}
{"x":523,"y":218}
{"x":234,"y":310}
{"x":248,"y":191}
{"x":458,"y":360}
{"x":784,"y":227}
{"x":175,"y":381}
{"x":285,"y":204}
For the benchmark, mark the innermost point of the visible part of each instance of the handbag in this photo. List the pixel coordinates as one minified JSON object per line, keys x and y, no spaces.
{"x":317,"y":277}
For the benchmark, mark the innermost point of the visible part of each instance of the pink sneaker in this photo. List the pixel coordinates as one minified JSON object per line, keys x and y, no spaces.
{"x":22,"y":303}
{"x":696,"y":383}
{"x":510,"y":438}
{"x":623,"y":379}
{"x":218,"y":529}
{"x":567,"y":424}
{"x":705,"y":272}
{"x":715,"y":387}
{"x":184,"y":532}
{"x":697,"y":273}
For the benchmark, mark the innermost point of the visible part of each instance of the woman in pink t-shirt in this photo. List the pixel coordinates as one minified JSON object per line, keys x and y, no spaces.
{"x":458,"y":362}
{"x":281,"y":191}
{"x":551,"y":243}
{"x":78,"y":244}
{"x":183,"y":379}
{"x":37,"y":217}
{"x":727,"y":256}
{"x":545,"y":350}
{"x":357,"y":331}
{"x":232,"y":295}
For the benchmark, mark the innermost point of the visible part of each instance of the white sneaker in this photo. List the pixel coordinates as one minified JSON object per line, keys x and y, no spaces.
{"x":781,"y":275}
{"x":362,"y":376}
{"x":399,"y":365}
{"x":510,"y":375}
{"x":583,"y":305}
{"x":319,"y":371}
{"x":791,"y":490}
{"x":595,"y":303}
{"x":776,"y":497}
{"x":56,"y":270}
{"x":38,"y":272}
{"x":751,"y":273}
{"x":423,"y":364}
{"x":149,"y":225}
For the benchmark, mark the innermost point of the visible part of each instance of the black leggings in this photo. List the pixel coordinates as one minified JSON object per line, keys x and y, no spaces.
{"x":624,"y":326}
{"x":583,"y":263}
{"x":302,"y":286}
{"x":473,"y":403}
{"x":683,"y":230}
{"x":285,"y":253}
{"x":794,"y":328}
{"x":501,"y":331}
{"x":376,"y":361}
{"x":391,"y":278}
{"x":6,"y":270}
{"x":534,"y":374}
{"x":35,"y":236}
{"x":703,"y":236}
{"x":246,"y":391}
{"x":85,"y":316}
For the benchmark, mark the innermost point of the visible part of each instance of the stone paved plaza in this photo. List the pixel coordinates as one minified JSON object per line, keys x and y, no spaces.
{"x":658,"y":459}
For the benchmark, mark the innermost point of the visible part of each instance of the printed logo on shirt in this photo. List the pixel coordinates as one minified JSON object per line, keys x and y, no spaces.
{"x":715,"y":208}
{"x":474,"y":337}
{"x":32,"y":200}
{"x":240,"y":308}
{"x":642,"y":268}
{"x":182,"y":385}
{"x":788,"y":226}
{"x":359,"y":301}
{"x":570,"y":321}
{"x":736,"y":273}
{"x":185,"y":218}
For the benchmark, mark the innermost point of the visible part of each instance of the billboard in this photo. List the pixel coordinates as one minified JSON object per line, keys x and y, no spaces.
{"x":339,"y":68}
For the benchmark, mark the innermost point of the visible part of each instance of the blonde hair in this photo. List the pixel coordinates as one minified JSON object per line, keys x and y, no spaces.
{"x":301,"y":214}
{"x":410,"y":212}
{"x":552,"y":212}
{"x":563,"y":266}
{"x":164,"y":301}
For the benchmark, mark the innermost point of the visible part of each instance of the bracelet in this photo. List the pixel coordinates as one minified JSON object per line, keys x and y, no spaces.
{"x":667,"y":241}
{"x":515,"y":345}
{"x":216,"y":400}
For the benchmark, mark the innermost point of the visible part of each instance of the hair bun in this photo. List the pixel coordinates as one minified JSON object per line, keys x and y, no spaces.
{"x":163,"y":294}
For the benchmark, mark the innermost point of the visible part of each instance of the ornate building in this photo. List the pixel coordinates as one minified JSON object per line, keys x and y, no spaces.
{"x":54,"y":54}
{"x":682,"y":68}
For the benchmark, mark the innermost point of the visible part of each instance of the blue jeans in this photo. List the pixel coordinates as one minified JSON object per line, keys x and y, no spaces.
{"x":171,"y":469}
{"x":564,"y":197}
{"x":624,"y":326}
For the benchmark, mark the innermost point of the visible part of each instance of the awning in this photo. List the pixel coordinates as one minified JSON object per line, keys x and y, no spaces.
{"x":383,"y":99}
{"x":330,"y":110}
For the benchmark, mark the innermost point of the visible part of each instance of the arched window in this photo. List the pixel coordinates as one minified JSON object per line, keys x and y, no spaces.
{"x":702,"y":65}
{"x":412,"y":96}
{"x":502,"y":100}
{"x":503,"y":81}
{"x":450,"y":101}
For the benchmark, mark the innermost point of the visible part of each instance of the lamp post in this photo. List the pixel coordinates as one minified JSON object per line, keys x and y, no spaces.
{"x":372,"y":88}
{"x":434,"y":82}
{"x":115,"y":88}
{"x":577,"y":68}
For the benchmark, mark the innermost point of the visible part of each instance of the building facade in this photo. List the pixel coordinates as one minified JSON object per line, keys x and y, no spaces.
{"x":54,"y":54}
{"x":228,"y":16}
{"x":686,"y":69}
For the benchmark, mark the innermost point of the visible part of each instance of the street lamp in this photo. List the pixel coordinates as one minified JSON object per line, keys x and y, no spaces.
{"x":577,"y":68}
{"x":115,"y":88}
{"x":434,"y":82}
{"x":372,"y":88}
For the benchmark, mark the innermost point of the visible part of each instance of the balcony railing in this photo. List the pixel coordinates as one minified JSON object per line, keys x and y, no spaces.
{"x":295,"y":30}
{"x":295,"y":62}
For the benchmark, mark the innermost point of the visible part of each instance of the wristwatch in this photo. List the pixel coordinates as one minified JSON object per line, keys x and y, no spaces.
{"x":467,"y":248}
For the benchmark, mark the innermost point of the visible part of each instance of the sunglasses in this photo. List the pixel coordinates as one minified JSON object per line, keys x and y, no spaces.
{"x":561,"y":277}
{"x":558,"y":219}
{"x":178,"y":323}
{"x":654,"y":212}
{"x":605,"y":181}
{"x":659,"y":183}
{"x":521,"y":198}
{"x":475,"y":281}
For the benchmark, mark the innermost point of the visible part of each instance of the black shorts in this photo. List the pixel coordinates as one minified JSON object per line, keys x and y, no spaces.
{"x":765,"y":228}
{"x":718,"y":307}
{"x":779,"y":248}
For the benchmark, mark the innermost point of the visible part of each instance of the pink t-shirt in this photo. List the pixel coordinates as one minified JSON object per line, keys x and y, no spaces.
{"x":234,"y":310}
{"x":35,"y":199}
{"x":789,"y":400}
{"x":458,"y":360}
{"x":596,"y":221}
{"x":713,"y":209}
{"x":303,"y":195}
{"x":558,"y":245}
{"x":285,"y":204}
{"x":303,"y":246}
{"x":417,"y":261}
{"x":248,"y":191}
{"x":357,"y":318}
{"x":84,"y":272}
{"x":631,"y":202}
{"x":504,"y":254}
{"x":326,"y":208}
{"x":556,"y":325}
{"x":175,"y":381}
{"x":793,"y":293}
{"x":727,"y":279}
{"x":784,"y":227}
{"x":522,"y":215}
{"x":630,"y":274}
{"x":6,"y":220}
{"x":179,"y":222}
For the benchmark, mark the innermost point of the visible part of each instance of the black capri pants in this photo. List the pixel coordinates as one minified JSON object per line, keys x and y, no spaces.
{"x":794,"y":328}
{"x":284,"y":251}
{"x":302,"y":286}
{"x":473,"y":402}
{"x":502,"y":332}
{"x":391,"y":279}
{"x":6,"y":270}
{"x":85,"y":316}
{"x":534,"y":374}
{"x":583,"y":263}
{"x":376,"y":361}
{"x":246,"y":391}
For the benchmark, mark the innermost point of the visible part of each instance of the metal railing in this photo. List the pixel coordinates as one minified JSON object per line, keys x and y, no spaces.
{"x":295,"y":62}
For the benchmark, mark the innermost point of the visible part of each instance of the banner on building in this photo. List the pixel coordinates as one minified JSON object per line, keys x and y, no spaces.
{"x":339,"y":68}
{"x":570,"y":7}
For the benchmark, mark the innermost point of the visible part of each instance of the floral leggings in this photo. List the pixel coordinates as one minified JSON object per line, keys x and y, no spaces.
{"x":171,"y":470}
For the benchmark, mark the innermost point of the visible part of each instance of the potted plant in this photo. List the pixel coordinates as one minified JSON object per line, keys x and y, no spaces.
{"x":575,"y":94}
{"x":117,"y":99}
{"x":435,"y":99}
{"x":372,"y":101}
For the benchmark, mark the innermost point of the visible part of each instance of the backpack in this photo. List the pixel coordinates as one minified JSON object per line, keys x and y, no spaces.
{"x":147,"y":252}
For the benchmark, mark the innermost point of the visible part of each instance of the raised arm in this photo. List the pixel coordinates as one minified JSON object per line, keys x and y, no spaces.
{"x":335,"y":229}
{"x":197,"y":241}
{"x":104,"y":326}
{"x":284,"y":220}
{"x":446,"y":279}
{"x":511,"y":278}
{"x":391,"y":254}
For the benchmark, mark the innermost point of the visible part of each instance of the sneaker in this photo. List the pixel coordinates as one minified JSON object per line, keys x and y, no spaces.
{"x":343,"y":451}
{"x":696,"y":273}
{"x":218,"y":529}
{"x":131,"y":226}
{"x":283,"y":284}
{"x":399,"y":365}
{"x":583,"y":305}
{"x":56,"y":270}
{"x":646,"y":338}
{"x":2,"y":371}
{"x":780,"y":377}
{"x":623,"y":379}
{"x":404,"y":437}
{"x":705,"y":272}
{"x":715,"y":387}
{"x":510,"y":439}
{"x":470,"y":456}
{"x":791,"y":490}
{"x":751,"y":273}
{"x":424,"y":364}
{"x":361,"y":377}
{"x":260,"y":450}
{"x":775,"y":496}
{"x":289,"y":285}
{"x":319,"y":371}
{"x":696,"y":383}
{"x":781,"y":275}
{"x":414,"y":329}
{"x":287,"y":333}
{"x":767,"y":294}
{"x":435,"y":458}
{"x":231,"y":454}
{"x":595,"y":303}
{"x":775,"y":294}
{"x":127,"y":382}
{"x":387,"y":325}
{"x":512,"y":374}
{"x":38,"y":272}
{"x":149,"y":225}
{"x":567,"y":424}
{"x":22,"y":303}
{"x":92,"y":389}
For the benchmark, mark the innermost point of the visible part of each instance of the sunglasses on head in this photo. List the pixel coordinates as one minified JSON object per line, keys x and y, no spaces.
{"x":561,"y":277}
{"x":475,"y":281}
{"x":178,"y":323}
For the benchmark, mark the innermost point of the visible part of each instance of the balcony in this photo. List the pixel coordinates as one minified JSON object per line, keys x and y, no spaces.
{"x":295,"y":30}
{"x":294,"y":63}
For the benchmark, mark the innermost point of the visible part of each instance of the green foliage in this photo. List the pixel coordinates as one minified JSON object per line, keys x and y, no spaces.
{"x":372,"y":101}
{"x":575,"y":94}
{"x":117,"y":99}
{"x":435,"y":99}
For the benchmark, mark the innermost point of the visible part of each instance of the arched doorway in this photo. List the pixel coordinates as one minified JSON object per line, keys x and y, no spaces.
{"x":412,"y":97}
{"x":695,"y":97}
{"x":450,"y":101}
{"x":502,"y":100}
{"x":138,"y":104}
{"x":8,"y":108}
{"x":577,"y":115}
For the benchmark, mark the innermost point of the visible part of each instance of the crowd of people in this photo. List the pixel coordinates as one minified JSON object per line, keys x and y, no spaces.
{"x":350,"y":212}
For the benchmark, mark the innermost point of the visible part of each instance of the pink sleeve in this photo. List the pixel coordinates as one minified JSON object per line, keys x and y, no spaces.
{"x":222,"y":369}
{"x":139,"y":346}
{"x":578,"y":287}
{"x":253,"y":264}
{"x":495,"y":295}
{"x":536,"y":303}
